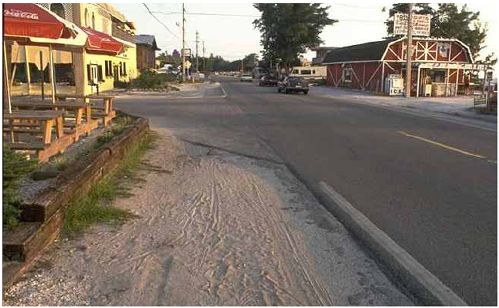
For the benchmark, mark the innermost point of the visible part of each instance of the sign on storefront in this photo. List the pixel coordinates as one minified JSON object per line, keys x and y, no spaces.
{"x":446,"y":65}
{"x":420,"y":24}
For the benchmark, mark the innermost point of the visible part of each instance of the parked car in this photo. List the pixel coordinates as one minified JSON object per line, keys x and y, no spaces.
{"x":268,"y":80}
{"x":292,"y":84}
{"x":246,"y":77}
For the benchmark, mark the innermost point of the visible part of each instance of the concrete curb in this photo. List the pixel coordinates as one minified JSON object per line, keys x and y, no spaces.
{"x":425,"y":286}
{"x":442,"y":116}
{"x":43,"y":217}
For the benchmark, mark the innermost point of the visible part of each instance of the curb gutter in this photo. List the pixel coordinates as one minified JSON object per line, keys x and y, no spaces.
{"x":425,"y":286}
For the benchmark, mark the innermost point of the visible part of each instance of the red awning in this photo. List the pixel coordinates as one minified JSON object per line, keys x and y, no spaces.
{"x":31,"y":20}
{"x":101,"y":42}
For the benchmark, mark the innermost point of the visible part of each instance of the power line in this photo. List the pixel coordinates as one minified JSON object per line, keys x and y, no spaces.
{"x":208,"y":14}
{"x":166,"y":27}
{"x":361,"y":20}
{"x":355,"y":6}
{"x":256,"y":16}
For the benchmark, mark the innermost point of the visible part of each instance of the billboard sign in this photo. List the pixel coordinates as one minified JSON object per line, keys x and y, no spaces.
{"x":420,"y":24}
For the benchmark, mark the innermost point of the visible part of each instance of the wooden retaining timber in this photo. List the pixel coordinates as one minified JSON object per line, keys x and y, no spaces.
{"x":43,"y":216}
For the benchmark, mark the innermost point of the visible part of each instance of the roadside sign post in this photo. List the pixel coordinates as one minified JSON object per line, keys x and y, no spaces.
{"x":408,"y":81}
{"x":411,"y":25}
{"x":421,"y":24}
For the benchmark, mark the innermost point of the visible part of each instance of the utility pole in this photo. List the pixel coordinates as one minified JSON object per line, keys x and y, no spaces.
{"x":408,"y":66}
{"x":183,"y":42}
{"x":242,"y":66}
{"x":204,"y":59}
{"x":197,"y":58}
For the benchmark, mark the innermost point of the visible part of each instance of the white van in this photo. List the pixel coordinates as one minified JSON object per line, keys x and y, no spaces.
{"x":309,"y":72}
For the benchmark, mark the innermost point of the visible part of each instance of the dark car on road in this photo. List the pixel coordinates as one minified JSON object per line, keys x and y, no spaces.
{"x":293,"y":84}
{"x":268,"y":80}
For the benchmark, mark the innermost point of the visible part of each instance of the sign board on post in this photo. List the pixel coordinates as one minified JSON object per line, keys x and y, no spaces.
{"x":420,"y":24}
{"x":186,"y":52}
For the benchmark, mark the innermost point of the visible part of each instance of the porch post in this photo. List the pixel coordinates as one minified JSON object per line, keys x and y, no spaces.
{"x":364,"y":77}
{"x":79,"y":70}
{"x":52,"y":73}
{"x":447,"y":83}
{"x":382,"y":77}
{"x":28,"y":71}
{"x":457,"y":81}
{"x":6,"y":78}
{"x":417,"y":83}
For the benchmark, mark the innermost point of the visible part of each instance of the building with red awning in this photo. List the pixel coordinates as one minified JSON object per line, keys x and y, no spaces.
{"x":106,"y":56}
{"x":30,"y":20}
{"x":99,"y":42}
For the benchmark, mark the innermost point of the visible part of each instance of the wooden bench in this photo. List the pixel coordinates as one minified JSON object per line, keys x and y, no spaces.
{"x":38,"y":125}
{"x":78,"y":109}
{"x":106,"y":113}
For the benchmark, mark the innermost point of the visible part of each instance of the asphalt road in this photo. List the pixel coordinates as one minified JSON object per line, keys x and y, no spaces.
{"x":431,"y":185}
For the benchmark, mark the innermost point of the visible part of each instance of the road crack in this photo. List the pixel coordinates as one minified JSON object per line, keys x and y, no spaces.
{"x":214,"y":147}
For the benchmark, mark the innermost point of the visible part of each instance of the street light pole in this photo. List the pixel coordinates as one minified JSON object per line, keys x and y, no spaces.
{"x":197,"y":57}
{"x":204,"y":59}
{"x":183,"y":42}
{"x":408,"y":67}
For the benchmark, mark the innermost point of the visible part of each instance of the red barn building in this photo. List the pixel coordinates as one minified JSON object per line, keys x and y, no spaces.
{"x":441,"y":63}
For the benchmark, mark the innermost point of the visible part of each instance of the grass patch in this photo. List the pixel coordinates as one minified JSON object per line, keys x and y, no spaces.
{"x":15,"y":167}
{"x":96,"y":206}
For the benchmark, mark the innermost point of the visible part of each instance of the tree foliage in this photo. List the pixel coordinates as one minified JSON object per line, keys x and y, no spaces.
{"x":219,"y":64}
{"x":448,"y":21}
{"x":288,"y":29}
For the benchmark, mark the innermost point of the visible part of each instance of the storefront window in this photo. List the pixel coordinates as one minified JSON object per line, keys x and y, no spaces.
{"x":437,"y":76}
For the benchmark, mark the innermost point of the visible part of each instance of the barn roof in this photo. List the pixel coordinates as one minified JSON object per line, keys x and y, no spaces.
{"x":146,"y":39}
{"x":374,"y":51}
{"x":360,"y":52}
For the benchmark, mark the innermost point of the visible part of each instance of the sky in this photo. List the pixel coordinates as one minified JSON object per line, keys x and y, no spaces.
{"x":232,"y":37}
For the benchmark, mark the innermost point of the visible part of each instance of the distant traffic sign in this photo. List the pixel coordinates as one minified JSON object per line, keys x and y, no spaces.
{"x":186,"y":52}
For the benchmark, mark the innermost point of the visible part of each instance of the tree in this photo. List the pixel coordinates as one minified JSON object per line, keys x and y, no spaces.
{"x":288,"y":29}
{"x":249,"y":61}
{"x":462,"y":24}
{"x":448,"y":21}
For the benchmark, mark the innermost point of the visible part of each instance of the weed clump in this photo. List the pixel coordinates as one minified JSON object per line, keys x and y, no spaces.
{"x":15,"y":167}
{"x":96,"y":206}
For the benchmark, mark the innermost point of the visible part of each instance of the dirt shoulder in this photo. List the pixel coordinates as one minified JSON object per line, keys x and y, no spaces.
{"x":212,"y":228}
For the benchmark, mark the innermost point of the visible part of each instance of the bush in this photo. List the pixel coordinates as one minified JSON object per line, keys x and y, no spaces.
{"x":122,"y":84}
{"x":15,"y":166}
{"x":152,"y":80}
